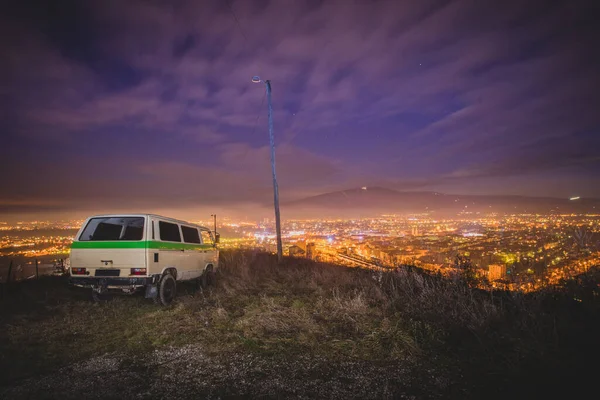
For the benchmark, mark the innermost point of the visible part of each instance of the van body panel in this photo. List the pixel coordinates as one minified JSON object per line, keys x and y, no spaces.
{"x":119,"y":258}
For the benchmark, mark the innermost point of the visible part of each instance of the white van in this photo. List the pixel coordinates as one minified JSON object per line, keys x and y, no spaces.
{"x":128,"y":252}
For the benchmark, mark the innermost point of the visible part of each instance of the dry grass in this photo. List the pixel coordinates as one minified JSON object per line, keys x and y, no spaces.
{"x":302,"y":307}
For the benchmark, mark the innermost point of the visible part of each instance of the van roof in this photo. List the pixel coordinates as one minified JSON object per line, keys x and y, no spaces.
{"x":179,"y":221}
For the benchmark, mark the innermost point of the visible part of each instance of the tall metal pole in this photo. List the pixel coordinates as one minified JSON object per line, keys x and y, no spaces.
{"x":215,"y":222}
{"x":275,"y":187}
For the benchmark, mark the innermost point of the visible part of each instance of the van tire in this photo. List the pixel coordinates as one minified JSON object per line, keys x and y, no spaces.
{"x":167,"y":289}
{"x":200,"y":283}
{"x":211,"y":277}
{"x":207,"y":279}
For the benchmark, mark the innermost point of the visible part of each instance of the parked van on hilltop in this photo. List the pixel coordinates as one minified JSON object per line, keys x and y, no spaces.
{"x":126,"y":253}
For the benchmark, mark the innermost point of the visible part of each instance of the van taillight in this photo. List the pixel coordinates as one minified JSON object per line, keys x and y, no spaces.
{"x":138,"y":271}
{"x":78,"y":271}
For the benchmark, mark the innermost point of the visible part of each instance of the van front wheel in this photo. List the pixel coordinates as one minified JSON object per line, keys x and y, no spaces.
{"x":167,"y":289}
{"x":207,"y":278}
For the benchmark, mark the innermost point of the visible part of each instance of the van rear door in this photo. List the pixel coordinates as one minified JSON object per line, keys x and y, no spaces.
{"x":110,"y":246}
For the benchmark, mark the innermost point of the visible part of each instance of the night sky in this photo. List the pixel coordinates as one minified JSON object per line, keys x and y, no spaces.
{"x":149,"y":105}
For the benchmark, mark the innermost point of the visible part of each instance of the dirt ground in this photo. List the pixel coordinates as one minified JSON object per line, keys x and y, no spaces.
{"x":190,"y":373}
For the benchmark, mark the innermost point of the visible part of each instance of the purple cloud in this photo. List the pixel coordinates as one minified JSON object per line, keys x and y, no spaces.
{"x":428,"y":95}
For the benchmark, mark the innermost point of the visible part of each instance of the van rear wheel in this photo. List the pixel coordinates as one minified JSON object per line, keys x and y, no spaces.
{"x":167,"y":289}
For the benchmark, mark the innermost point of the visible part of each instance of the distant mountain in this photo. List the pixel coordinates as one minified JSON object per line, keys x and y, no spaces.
{"x":381,"y":200}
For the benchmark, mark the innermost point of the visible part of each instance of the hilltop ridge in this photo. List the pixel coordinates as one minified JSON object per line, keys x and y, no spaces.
{"x":384,"y":200}
{"x":303,"y":330}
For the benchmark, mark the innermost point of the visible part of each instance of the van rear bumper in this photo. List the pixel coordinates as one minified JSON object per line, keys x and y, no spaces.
{"x":112,"y":282}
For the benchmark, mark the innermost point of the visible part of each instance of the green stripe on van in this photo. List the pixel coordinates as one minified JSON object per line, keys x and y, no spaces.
{"x":153,"y":244}
{"x":143,"y":244}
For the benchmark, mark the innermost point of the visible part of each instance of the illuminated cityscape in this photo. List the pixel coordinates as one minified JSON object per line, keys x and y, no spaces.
{"x":521,"y":252}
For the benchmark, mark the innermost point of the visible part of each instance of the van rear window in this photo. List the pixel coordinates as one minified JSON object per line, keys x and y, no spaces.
{"x":113,"y":228}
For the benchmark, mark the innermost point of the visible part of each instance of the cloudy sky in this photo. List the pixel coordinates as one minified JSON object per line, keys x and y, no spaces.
{"x":116,"y":104}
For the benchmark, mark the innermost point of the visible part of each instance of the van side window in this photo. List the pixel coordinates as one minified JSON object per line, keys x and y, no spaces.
{"x":207,"y":237}
{"x":169,"y":232}
{"x":190,"y":235}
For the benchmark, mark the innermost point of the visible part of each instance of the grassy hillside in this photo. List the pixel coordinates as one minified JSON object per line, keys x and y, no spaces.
{"x":391,"y":333}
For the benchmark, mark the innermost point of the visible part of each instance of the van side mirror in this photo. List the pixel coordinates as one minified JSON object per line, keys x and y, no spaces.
{"x":217,"y":237}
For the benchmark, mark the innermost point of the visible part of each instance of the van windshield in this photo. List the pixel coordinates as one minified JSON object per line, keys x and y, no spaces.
{"x":113,"y":228}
